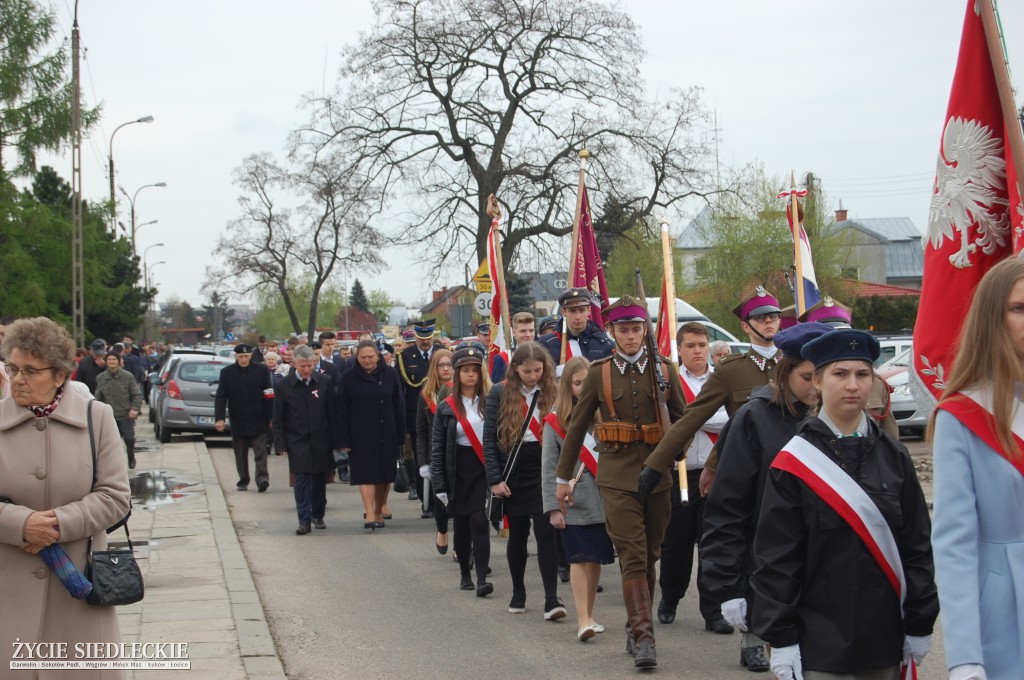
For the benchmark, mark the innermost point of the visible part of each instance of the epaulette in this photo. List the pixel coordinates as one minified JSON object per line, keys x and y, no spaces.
{"x":595,"y":362}
{"x":730,"y":358}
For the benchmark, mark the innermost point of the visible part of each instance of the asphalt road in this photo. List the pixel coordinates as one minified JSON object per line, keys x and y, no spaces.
{"x":347,"y":603}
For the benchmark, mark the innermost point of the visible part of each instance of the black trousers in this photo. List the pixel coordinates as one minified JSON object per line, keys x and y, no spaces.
{"x":241,"y":444}
{"x":684,"y":531}
{"x":472,"y":535}
{"x":547,"y":552}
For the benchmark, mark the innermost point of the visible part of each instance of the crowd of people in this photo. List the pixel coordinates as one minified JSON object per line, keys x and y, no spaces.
{"x":781,"y":466}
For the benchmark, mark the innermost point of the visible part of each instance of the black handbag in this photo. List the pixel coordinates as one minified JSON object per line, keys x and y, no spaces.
{"x":495,"y":506}
{"x":401,"y":478}
{"x":115,"y":575}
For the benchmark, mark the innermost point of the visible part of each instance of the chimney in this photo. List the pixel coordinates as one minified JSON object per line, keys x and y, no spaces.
{"x":841,"y":213}
{"x":436,"y":295}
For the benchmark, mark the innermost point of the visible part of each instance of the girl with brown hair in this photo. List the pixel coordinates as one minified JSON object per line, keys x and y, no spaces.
{"x":512,"y":448}
{"x":439,"y":377}
{"x":457,"y":465}
{"x":978,"y":534}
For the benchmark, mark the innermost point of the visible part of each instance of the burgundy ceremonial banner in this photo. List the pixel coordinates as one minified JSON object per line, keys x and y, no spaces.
{"x":588,"y":271}
{"x":975,"y":214}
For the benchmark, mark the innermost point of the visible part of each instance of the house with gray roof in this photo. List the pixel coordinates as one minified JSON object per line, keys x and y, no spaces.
{"x":885,"y":250}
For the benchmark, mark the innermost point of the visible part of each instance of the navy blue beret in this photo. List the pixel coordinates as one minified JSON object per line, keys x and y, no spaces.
{"x":242,"y":348}
{"x":841,"y":344}
{"x":792,"y":340}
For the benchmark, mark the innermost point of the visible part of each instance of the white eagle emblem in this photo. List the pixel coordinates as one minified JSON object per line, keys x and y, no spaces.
{"x":970,"y":189}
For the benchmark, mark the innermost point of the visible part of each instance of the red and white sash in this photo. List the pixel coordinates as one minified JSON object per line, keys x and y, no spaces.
{"x":841,"y":493}
{"x":432,"y":405}
{"x":973,"y":408}
{"x":588,"y":453}
{"x":475,"y":437}
{"x":690,"y":396}
{"x":535,"y":425}
{"x":572,"y":348}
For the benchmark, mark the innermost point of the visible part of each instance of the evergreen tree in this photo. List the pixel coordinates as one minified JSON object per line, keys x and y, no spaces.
{"x":518,"y":289}
{"x":358,"y":297}
{"x":35,"y":90}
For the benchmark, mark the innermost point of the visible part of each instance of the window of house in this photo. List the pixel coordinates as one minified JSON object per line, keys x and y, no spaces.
{"x":849,"y":273}
{"x":702,"y":268}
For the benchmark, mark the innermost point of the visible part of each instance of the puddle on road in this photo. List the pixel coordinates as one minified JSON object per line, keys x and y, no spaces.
{"x":153,"y":488}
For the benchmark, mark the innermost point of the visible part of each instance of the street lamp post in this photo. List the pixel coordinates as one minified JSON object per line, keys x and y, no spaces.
{"x":131,"y":201}
{"x":149,"y":274}
{"x":145,"y":282}
{"x":110,"y":157}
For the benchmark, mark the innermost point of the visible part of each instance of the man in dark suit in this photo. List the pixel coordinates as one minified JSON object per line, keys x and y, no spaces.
{"x":246,"y":391}
{"x":324,"y":364}
{"x":413,"y":365}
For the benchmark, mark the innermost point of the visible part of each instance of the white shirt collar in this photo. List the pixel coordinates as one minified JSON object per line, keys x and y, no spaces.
{"x":862,"y":426}
{"x":632,"y":358}
{"x":766,"y":352}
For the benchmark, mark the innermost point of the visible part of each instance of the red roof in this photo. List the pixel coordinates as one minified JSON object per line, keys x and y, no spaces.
{"x":852,"y":288}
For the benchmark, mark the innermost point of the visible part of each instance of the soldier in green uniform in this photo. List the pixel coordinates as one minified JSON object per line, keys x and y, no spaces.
{"x":620,"y":393}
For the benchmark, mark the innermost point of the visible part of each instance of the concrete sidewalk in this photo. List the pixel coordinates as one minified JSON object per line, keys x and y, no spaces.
{"x":199,"y":589}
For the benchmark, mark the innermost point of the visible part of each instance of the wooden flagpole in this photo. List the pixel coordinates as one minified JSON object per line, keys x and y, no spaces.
{"x":794,"y":211}
{"x":494,"y":210}
{"x":670,"y":283}
{"x":574,"y":250}
{"x":1015,"y":139}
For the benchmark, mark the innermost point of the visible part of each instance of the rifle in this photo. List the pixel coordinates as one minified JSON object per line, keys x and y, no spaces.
{"x":662,"y":387}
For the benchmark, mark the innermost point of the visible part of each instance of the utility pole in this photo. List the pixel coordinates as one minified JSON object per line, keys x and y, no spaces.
{"x":77,"y":237}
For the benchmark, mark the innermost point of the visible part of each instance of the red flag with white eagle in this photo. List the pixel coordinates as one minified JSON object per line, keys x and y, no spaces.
{"x":975,"y":217}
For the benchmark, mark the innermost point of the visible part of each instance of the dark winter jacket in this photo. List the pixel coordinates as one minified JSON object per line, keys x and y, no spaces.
{"x":88,"y":370}
{"x":817,"y":585}
{"x":594,"y":343}
{"x":305,"y":423}
{"x":747,"y":447}
{"x":246,"y":395}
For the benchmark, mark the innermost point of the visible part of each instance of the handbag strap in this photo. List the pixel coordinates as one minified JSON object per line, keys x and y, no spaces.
{"x":123,"y":522}
{"x":510,"y":464}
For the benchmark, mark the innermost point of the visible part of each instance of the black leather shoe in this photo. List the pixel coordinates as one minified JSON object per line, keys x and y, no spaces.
{"x":754,"y":659}
{"x":413,"y":495}
{"x":484,"y":589}
{"x":242,"y":487}
{"x":318,"y":522}
{"x":370,"y":525}
{"x":440,"y":548}
{"x":719,"y":625}
{"x":429,"y":514}
{"x":645,"y":656}
{"x":666,"y":612}
{"x":303,"y":530}
{"x":263,"y":485}
{"x":466,"y":583}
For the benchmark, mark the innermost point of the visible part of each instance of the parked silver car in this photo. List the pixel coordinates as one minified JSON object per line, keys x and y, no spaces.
{"x":187,"y":402}
{"x":911,"y":416}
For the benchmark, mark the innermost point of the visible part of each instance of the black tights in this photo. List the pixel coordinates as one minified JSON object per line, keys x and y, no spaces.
{"x":547,"y":552}
{"x":472,"y":530}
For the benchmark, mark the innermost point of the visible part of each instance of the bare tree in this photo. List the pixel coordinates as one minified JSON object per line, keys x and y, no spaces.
{"x":449,"y":101}
{"x":270,"y":246}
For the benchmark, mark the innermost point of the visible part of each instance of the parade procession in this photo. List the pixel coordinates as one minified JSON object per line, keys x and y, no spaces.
{"x":509,"y":364}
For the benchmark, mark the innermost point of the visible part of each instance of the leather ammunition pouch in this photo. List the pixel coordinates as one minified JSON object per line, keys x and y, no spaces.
{"x":615,"y":431}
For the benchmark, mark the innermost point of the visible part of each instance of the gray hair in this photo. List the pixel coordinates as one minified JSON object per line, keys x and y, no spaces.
{"x":42,"y":338}
{"x":718,"y":345}
{"x":303,"y":352}
{"x":271,"y":355}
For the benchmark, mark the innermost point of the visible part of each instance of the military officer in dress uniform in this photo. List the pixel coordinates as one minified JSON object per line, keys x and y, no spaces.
{"x":413,"y":363}
{"x":583,"y":336}
{"x":734,"y":378}
{"x":620,"y":393}
{"x":834,"y":313}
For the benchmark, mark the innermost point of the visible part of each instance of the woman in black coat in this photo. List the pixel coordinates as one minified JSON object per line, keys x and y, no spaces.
{"x":439,"y":377}
{"x":371,"y":417}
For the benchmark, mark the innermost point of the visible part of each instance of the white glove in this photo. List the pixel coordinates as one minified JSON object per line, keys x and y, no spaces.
{"x":916,"y":647}
{"x":735,"y":612}
{"x":425,"y":471}
{"x":443,"y":497}
{"x":786,"y":663}
{"x":967,"y":671}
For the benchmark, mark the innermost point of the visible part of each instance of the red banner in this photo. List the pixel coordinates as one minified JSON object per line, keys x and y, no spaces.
{"x":588,"y":271}
{"x":975,"y":214}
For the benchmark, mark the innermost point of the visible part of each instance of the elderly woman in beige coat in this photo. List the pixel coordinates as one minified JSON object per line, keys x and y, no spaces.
{"x":46,"y":482}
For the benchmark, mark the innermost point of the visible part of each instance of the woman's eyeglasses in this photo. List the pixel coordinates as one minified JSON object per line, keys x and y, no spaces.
{"x":28,"y":372}
{"x":444,"y":364}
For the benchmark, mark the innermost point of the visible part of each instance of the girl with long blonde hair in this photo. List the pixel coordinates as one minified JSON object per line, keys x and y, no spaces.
{"x":439,"y":376}
{"x":978,"y":522}
{"x":516,"y":408}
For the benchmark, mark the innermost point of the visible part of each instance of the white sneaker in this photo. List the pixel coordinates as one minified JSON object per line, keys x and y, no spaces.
{"x":598,"y":628}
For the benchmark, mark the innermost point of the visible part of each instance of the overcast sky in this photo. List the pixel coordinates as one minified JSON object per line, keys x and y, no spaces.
{"x":854,"y":91}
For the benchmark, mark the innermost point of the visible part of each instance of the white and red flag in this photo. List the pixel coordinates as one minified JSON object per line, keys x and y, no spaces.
{"x":975,"y":217}
{"x":587,"y":270}
{"x":667,"y":307}
{"x":499,"y":343}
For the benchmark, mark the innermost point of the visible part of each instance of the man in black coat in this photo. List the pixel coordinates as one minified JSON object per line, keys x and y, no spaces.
{"x":323,"y":364}
{"x":413,"y":365}
{"x":91,"y":365}
{"x":305,"y":429}
{"x":584,"y":337}
{"x":246,"y":390}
